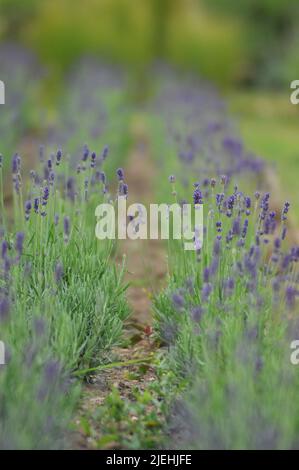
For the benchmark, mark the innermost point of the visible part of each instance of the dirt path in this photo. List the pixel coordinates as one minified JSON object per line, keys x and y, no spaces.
{"x":146,"y":270}
{"x":146,"y":259}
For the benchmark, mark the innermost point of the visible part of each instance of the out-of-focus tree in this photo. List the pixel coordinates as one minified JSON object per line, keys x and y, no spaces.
{"x":162,"y":11}
{"x":134,"y":33}
{"x":269,"y":29}
{"x":15,"y":14}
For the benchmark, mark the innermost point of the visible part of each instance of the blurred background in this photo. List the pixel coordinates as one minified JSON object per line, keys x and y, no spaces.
{"x":248,"y":48}
{"x":249,"y":42}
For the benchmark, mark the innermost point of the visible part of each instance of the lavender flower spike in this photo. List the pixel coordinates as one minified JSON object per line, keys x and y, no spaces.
{"x":120,"y":174}
{"x":19,"y":242}
{"x":197,"y":196}
{"x":66,"y":228}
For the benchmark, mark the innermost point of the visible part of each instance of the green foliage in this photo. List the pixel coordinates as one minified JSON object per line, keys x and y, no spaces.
{"x":270,"y":34}
{"x":136,"y":36}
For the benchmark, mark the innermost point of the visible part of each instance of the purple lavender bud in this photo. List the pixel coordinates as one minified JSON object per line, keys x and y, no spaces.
{"x":285,"y":211}
{"x":125,"y":189}
{"x":66,"y":227}
{"x":286,"y":262}
{"x":49,"y":164}
{"x":257,"y":195}
{"x":290,"y":295}
{"x":171,"y":179}
{"x":4,"y":248}
{"x":284,"y":232}
{"x":105,"y":152}
{"x":213,"y":182}
{"x":58,"y":157}
{"x":245,"y":228}
{"x":197,"y":197}
{"x":295,"y":253}
{"x":71,"y":188}
{"x":229,"y":286}
{"x":265,"y":202}
{"x":120,"y":174}
{"x":229,"y":237}
{"x":19,"y":242}
{"x":197,"y":313}
{"x":178,"y":300}
{"x":240,"y":267}
{"x":219,"y":199}
{"x":223,"y":179}
{"x":28,"y":207}
{"x":93,"y":159}
{"x":85,"y":153}
{"x":236,"y":229}
{"x":102,"y":177}
{"x":206,"y":291}
{"x":45,"y":196}
{"x":230,"y":202}
{"x":51,"y":178}
{"x":51,"y":371}
{"x":4,"y":309}
{"x":219,"y":226}
{"x":16,"y":183}
{"x":247,"y":202}
{"x":36,"y":204}
{"x":58,"y":272}
{"x":206,"y":275}
{"x":1,"y":160}
{"x":15,"y":164}
{"x":277,"y":243}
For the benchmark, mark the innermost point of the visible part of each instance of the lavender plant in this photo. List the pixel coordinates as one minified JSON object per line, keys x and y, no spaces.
{"x":62,"y":303}
{"x":229,"y":313}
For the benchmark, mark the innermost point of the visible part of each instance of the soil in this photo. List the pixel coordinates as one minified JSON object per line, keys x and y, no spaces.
{"x":146,"y":272}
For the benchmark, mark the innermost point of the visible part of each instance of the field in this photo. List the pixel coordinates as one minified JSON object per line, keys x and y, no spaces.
{"x":137,"y":343}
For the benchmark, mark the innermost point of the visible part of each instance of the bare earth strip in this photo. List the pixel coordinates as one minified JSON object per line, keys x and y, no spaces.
{"x":146,"y":271}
